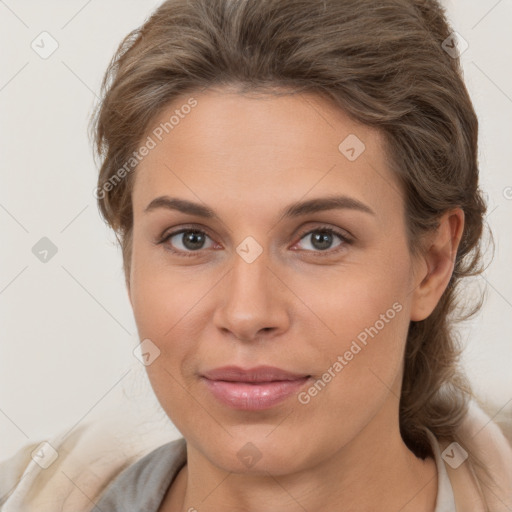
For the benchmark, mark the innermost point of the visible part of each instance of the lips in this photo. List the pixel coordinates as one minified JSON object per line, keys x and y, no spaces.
{"x":258,"y":374}
{"x":252,"y":389}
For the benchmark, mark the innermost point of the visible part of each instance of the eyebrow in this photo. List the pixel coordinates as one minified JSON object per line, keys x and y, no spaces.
{"x":294,"y":210}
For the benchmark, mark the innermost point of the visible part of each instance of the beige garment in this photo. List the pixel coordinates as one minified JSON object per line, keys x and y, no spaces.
{"x":93,"y":455}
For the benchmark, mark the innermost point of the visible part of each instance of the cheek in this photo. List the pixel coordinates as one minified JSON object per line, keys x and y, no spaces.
{"x":163,"y":306}
{"x":357,"y":301}
{"x":167,"y":314}
{"x":366,"y":312}
{"x":169,"y":309}
{"x":161,"y":297}
{"x":366,"y":345}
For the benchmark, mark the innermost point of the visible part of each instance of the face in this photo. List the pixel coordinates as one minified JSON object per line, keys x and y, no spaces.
{"x":321,"y":291}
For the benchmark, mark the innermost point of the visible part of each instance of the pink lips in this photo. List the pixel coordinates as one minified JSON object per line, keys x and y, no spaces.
{"x":252,"y":389}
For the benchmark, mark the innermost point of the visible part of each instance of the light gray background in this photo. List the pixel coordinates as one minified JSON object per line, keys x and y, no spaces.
{"x":67,"y":331}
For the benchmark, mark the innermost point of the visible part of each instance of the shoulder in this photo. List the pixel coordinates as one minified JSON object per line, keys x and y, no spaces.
{"x":79,"y":463}
{"x":142,"y":485}
{"x":70,"y":472}
{"x":482,"y":438}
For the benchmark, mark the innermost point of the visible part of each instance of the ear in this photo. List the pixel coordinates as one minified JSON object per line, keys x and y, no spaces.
{"x":435,"y":268}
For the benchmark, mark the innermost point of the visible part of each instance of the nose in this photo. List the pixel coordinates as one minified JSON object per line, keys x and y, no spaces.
{"x":252,"y":302}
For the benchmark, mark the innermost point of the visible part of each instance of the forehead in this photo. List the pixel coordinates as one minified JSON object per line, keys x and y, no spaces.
{"x":250,"y":149}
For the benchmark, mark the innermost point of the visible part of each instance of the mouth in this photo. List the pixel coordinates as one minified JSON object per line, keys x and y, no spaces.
{"x":253,"y":389}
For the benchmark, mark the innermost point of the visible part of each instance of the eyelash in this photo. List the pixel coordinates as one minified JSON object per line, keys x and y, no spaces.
{"x":323,"y":229}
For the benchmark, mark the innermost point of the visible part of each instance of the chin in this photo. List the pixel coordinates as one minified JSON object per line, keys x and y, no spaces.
{"x":259,"y":455}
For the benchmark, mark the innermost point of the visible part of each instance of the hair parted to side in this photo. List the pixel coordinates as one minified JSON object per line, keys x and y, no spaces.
{"x":383,"y":64}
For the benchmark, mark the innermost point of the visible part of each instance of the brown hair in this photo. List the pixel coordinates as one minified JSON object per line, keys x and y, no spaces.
{"x":384,"y":64}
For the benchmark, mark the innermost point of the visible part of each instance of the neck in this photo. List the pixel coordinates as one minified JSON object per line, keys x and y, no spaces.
{"x":375,"y":471}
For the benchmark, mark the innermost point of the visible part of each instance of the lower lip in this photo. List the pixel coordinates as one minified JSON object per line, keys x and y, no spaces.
{"x":253,"y":397}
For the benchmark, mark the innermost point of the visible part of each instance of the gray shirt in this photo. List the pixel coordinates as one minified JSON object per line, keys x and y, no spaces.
{"x":141,"y":487}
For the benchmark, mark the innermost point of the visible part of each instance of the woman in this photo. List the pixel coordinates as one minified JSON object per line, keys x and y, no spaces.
{"x":294,"y":185}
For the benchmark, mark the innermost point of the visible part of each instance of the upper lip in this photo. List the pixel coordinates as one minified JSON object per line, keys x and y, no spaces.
{"x":257,"y":374}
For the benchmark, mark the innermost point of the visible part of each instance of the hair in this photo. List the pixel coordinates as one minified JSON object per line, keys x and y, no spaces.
{"x":382,"y":63}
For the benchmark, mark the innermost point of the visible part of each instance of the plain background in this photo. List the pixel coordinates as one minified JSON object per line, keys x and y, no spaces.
{"x":67,"y":330}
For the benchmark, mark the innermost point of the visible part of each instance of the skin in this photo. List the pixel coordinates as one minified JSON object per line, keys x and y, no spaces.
{"x":296,"y":306}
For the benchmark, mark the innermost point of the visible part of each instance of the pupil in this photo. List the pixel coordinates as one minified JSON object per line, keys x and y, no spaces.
{"x":193,"y":240}
{"x":323,"y":239}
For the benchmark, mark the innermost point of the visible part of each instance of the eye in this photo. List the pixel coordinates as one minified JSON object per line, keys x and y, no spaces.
{"x":321,"y":239}
{"x":185,"y":241}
